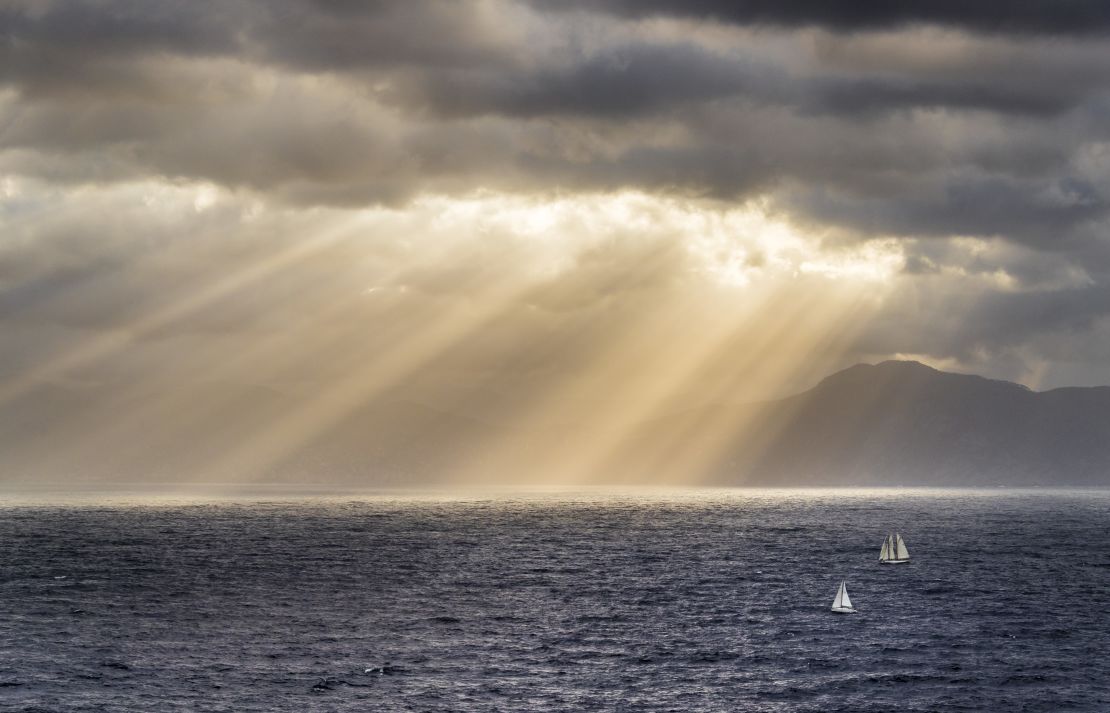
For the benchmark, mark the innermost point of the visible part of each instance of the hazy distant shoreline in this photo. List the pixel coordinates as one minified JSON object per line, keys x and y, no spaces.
{"x":12,"y":495}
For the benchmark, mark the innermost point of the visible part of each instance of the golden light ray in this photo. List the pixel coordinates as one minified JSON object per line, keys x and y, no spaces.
{"x":613,"y":365}
{"x":268,"y":446}
{"x":105,"y":344}
{"x":652,"y":323}
{"x":659,"y":450}
{"x":183,"y":412}
{"x":778,"y":353}
{"x":640,"y":375}
{"x":645,"y":367}
{"x":623,"y":358}
{"x":627,"y":446}
{"x":643,"y":371}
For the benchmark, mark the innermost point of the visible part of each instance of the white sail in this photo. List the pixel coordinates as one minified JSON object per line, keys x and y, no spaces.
{"x":842,"y":603}
{"x":894,"y":550}
{"x":902,"y":552}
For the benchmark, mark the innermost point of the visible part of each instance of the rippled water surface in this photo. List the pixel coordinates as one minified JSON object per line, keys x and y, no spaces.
{"x":703,"y":601}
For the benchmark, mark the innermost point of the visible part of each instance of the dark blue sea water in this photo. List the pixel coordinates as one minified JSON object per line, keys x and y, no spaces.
{"x":694,"y":601}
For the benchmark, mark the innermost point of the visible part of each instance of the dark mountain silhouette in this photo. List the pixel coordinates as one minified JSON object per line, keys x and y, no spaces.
{"x":901,"y":422}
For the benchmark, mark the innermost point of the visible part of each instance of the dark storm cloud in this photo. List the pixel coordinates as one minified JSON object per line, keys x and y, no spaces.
{"x":326,"y":36}
{"x":720,"y":171}
{"x":1031,"y":271}
{"x":122,"y":27}
{"x":465,"y":58}
{"x":59,"y":46}
{"x":884,"y":94}
{"x":1036,"y":16}
{"x":1038,"y":212}
{"x":974,"y":325}
{"x":930,"y":122}
{"x":615,"y":82}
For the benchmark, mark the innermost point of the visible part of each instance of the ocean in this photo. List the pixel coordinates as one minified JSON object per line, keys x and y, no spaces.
{"x":695,"y":600}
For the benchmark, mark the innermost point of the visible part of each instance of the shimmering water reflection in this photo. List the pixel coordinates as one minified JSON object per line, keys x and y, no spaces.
{"x":587,"y":600}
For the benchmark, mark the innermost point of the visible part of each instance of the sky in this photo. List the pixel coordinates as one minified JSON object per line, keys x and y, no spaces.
{"x":540,"y":212}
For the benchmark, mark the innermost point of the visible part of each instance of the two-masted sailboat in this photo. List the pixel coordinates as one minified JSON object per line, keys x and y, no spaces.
{"x":894,"y":550}
{"x":842,"y":604}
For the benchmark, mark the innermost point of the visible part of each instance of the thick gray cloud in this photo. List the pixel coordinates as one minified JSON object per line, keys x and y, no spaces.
{"x":377,"y":102}
{"x":929,"y":123}
{"x":1037,"y":17}
{"x":619,"y":82}
{"x":1043,"y":212}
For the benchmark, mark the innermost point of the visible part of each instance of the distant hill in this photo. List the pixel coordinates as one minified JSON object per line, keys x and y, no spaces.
{"x":893,"y":423}
{"x":904,"y":423}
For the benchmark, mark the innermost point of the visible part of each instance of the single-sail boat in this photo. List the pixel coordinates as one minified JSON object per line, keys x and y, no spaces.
{"x":894,"y":550}
{"x":842,"y":604}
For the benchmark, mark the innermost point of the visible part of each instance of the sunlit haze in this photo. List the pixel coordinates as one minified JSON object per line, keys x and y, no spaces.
{"x":522,"y":242}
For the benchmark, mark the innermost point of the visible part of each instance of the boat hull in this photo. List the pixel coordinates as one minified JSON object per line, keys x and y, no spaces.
{"x":843,"y":610}
{"x":906,"y":561}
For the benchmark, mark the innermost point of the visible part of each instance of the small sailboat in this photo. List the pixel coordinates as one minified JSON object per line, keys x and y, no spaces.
{"x":894,"y":550}
{"x":842,"y":604}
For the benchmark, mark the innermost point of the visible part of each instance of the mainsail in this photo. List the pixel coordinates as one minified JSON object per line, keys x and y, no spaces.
{"x":902,"y":553}
{"x":894,"y":550}
{"x":842,"y":602}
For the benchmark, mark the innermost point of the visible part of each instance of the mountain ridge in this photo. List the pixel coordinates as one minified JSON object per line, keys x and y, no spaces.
{"x":901,"y":422}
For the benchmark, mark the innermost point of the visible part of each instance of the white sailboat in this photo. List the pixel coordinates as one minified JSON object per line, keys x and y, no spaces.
{"x":894,"y":550}
{"x":842,"y":604}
